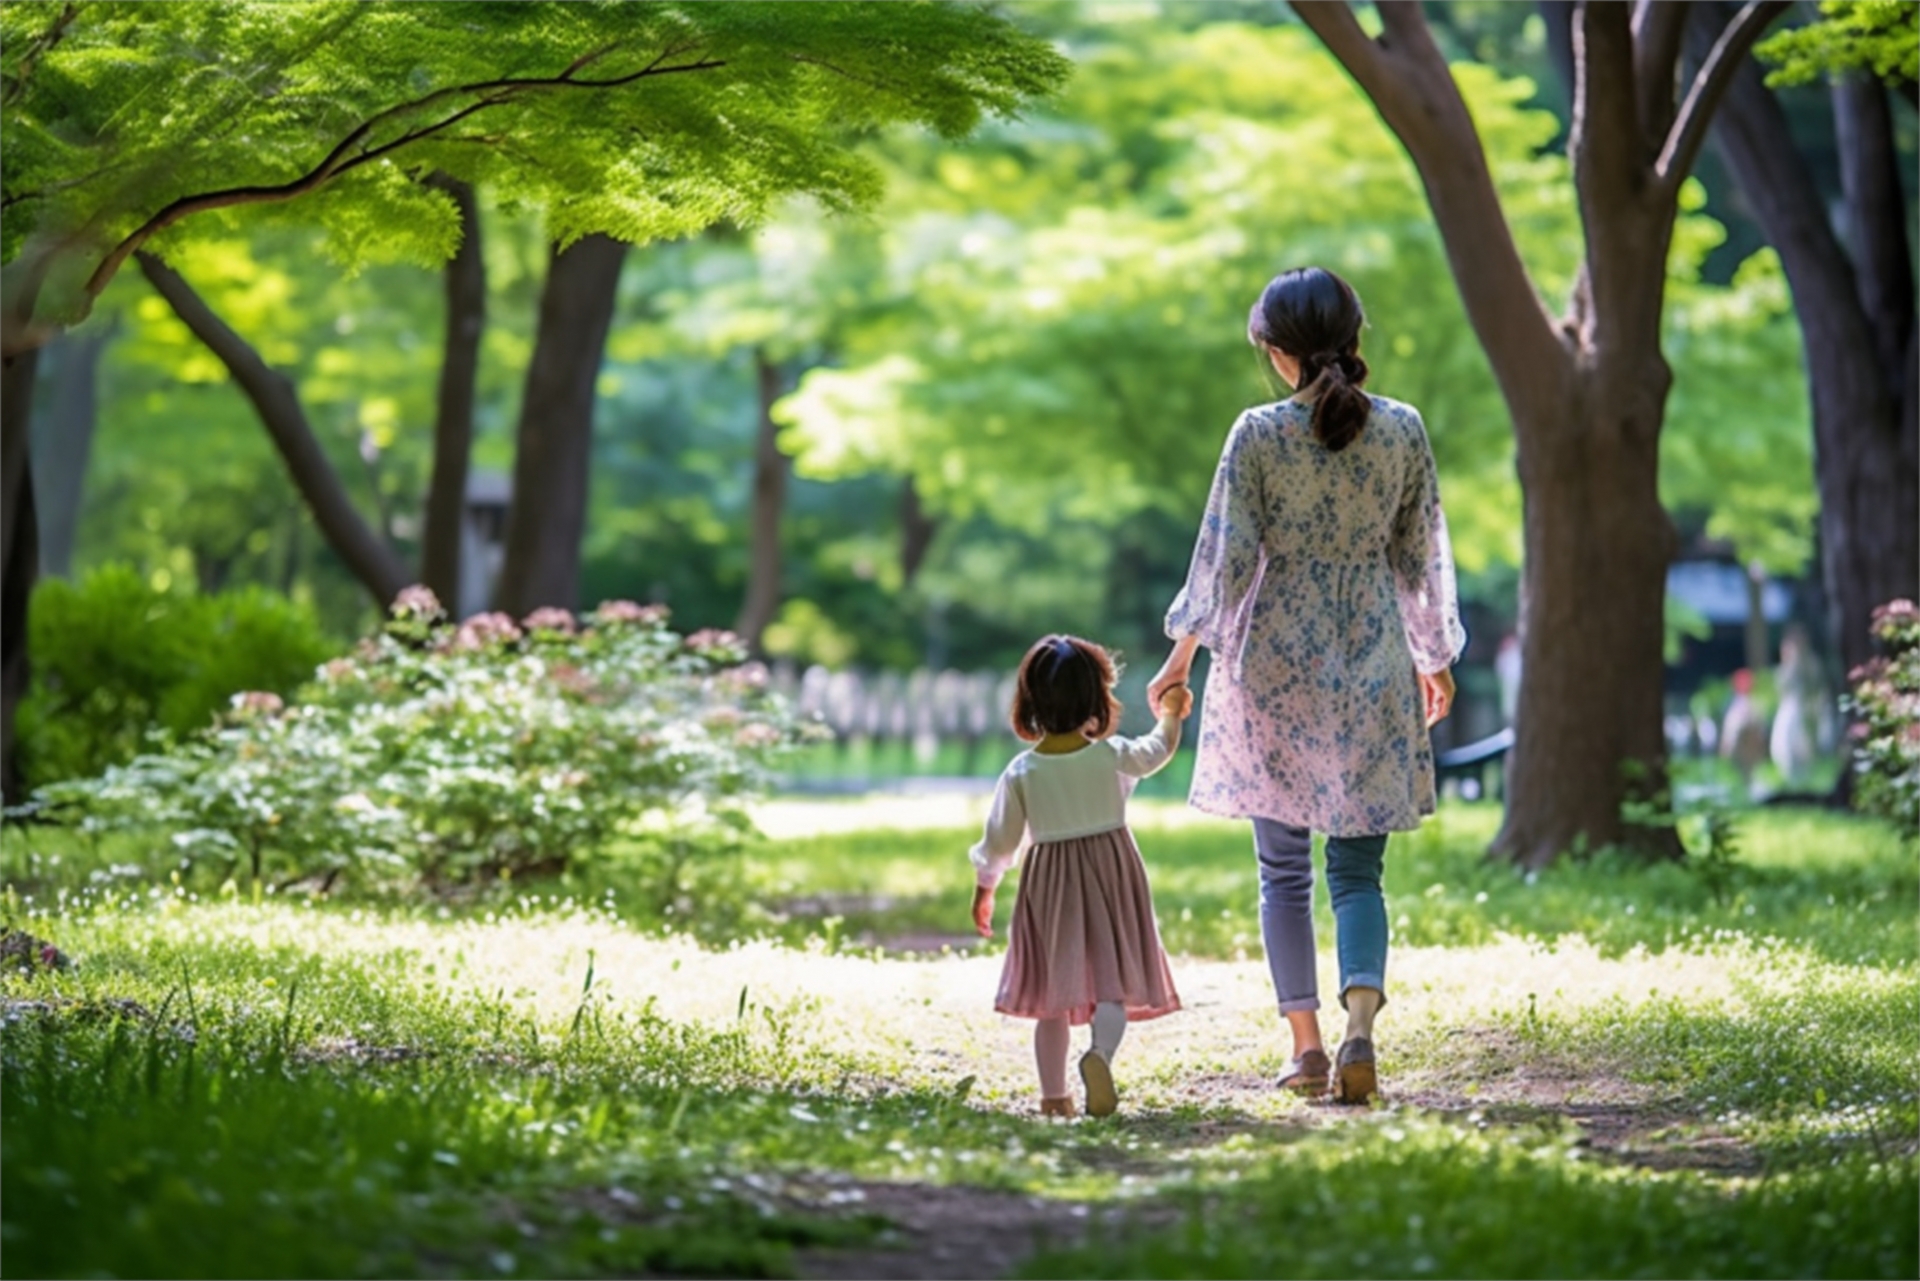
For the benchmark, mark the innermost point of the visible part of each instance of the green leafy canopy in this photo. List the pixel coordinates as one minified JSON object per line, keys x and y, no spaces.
{"x":637,"y":120}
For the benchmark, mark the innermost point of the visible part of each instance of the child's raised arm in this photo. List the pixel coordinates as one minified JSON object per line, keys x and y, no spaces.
{"x":1145,"y":755}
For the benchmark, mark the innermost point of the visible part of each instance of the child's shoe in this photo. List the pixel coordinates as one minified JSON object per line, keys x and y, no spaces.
{"x":1061,"y":1107}
{"x":1102,"y":1098}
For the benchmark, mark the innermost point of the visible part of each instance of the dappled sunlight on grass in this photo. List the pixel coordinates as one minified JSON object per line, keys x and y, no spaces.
{"x":640,"y":1098}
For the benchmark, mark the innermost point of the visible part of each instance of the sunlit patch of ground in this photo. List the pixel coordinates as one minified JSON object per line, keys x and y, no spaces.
{"x":930,"y":1023}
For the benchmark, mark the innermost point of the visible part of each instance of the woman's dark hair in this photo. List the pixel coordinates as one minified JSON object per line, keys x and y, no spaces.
{"x":1065,"y":684}
{"x":1315,"y":317}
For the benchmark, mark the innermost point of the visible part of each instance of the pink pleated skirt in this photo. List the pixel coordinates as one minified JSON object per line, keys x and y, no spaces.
{"x":1083,"y":932}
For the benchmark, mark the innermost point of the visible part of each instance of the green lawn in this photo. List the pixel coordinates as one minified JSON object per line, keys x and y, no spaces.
{"x":1598,"y":1071}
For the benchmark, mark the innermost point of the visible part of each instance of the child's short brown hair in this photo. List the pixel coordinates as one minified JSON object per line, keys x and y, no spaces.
{"x":1065,"y":685}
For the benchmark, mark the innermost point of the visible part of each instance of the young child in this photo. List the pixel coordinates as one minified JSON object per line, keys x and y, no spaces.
{"x":1084,"y":944}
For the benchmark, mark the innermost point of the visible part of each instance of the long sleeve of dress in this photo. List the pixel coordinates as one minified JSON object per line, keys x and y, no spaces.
{"x":1006,"y":831}
{"x":1422,"y":559}
{"x":1227,"y":555}
{"x":1139,"y":757}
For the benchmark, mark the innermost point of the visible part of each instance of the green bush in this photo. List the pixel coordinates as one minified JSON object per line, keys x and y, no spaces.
{"x":114,"y":659}
{"x":444,"y":755}
{"x":1886,"y":698}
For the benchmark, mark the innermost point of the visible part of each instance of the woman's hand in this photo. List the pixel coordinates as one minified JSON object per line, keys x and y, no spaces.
{"x":983,"y":911}
{"x":1436,"y":689}
{"x":1172,"y":672}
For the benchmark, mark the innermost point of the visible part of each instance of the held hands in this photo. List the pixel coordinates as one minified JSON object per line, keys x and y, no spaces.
{"x":1436,"y":690}
{"x":983,"y":911}
{"x":1176,"y":701}
{"x":1171,"y":676}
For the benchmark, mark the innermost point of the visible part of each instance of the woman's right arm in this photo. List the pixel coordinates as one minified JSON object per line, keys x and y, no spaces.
{"x":1226,"y":556}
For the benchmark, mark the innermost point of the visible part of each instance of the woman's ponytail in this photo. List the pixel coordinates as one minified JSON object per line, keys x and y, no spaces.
{"x":1334,"y":381}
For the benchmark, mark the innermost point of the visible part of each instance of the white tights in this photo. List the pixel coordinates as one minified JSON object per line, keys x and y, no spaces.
{"x":1052,"y":1038}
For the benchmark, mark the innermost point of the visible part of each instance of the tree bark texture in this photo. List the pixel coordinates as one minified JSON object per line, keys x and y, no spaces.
{"x":369,"y":557}
{"x":63,"y":440}
{"x":1857,"y":330}
{"x":466,"y":288}
{"x":555,"y":438}
{"x":19,"y":551}
{"x":1587,"y":394}
{"x":771,"y":469}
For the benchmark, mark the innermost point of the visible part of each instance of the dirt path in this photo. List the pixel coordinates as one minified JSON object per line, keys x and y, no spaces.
{"x":1191,"y":1081}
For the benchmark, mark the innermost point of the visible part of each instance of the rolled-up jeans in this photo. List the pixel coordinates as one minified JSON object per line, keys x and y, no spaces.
{"x":1286,"y":911}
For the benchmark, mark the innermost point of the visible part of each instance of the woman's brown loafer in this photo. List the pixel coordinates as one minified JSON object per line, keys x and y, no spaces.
{"x":1355,"y":1080}
{"x":1308,"y":1074}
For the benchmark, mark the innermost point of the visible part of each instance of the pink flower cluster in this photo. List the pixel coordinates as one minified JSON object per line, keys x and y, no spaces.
{"x":483,"y":630}
{"x":626,"y":611}
{"x":417,"y":602}
{"x":744,"y":678}
{"x":757,"y":735}
{"x":257,"y":702}
{"x":550,"y":619}
{"x":708,"y":639}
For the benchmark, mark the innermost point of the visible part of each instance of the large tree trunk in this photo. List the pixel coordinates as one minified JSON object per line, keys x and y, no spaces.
{"x":1588,"y":728}
{"x":466,"y":285}
{"x":555,"y":439}
{"x":771,"y":468}
{"x":19,"y":551}
{"x":1857,"y":330}
{"x":63,"y":440}
{"x":375,"y":563}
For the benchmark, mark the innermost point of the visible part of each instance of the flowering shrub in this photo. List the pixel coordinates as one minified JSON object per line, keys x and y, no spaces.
{"x":1886,"y":701}
{"x":447,"y":754}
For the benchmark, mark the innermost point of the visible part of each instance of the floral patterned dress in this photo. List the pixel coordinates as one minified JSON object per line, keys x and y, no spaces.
{"x":1320,"y":582}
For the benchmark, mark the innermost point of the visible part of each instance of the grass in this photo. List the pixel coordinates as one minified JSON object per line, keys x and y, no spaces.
{"x":1599,"y":1071}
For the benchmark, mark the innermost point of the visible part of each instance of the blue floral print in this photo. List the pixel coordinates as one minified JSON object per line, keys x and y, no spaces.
{"x":1320,"y":582}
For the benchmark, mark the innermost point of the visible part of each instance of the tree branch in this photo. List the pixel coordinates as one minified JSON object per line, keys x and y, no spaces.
{"x":340,"y":159}
{"x":1709,"y":86}
{"x":1606,"y":143}
{"x":1659,"y":31}
{"x":1410,"y":85}
{"x":372,"y":561}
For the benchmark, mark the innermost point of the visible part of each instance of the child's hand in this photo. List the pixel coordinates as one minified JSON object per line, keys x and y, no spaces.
{"x":983,"y":911}
{"x":1177,"y":702}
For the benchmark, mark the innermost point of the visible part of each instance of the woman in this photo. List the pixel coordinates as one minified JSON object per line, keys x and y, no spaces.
{"x":1322,"y":584}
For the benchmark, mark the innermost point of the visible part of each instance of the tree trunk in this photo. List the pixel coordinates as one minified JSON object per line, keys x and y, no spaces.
{"x":371,"y":560}
{"x":63,"y":442}
{"x":19,"y":551}
{"x":917,"y":529}
{"x":1589,"y":734}
{"x":466,"y":285}
{"x":1866,"y":449}
{"x":770,"y":471}
{"x":555,"y":438}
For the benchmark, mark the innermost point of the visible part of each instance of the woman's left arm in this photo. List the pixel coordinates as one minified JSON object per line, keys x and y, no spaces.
{"x":1422,"y":559}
